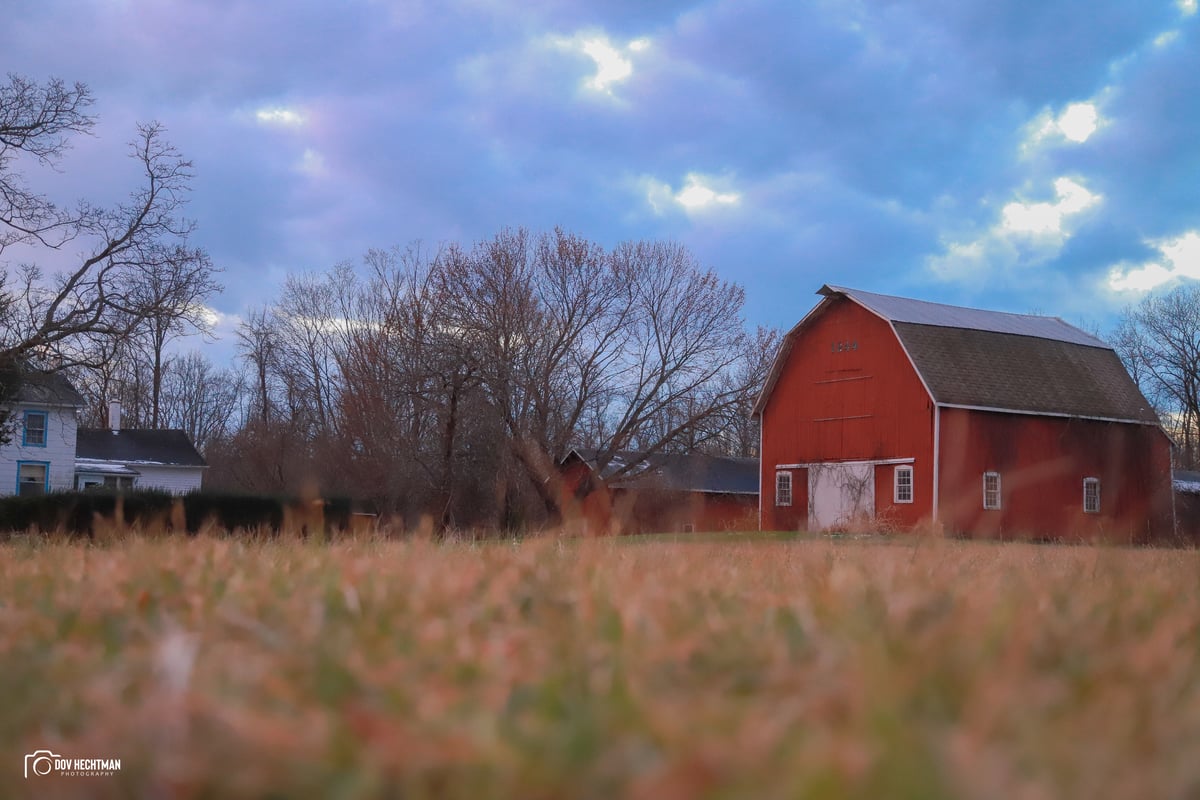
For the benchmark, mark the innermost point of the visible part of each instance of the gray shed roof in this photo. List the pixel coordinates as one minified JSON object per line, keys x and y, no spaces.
{"x":138,"y":446}
{"x":1018,"y":363}
{"x":685,"y":472}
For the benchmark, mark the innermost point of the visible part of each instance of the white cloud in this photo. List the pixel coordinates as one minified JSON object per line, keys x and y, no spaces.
{"x":1026,"y":234}
{"x":1047,"y":218}
{"x":286,"y":117}
{"x":1187,"y":7}
{"x":1180,"y":258}
{"x":613,"y":62}
{"x":611,"y":66}
{"x":1075,"y":123}
{"x":696,"y":195}
{"x":1078,"y":121}
{"x":1164,"y":39}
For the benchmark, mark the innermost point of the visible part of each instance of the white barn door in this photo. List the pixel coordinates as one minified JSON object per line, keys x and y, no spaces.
{"x":839,"y":494}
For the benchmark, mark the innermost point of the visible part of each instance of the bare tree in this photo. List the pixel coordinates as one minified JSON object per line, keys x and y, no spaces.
{"x":51,"y":319}
{"x":201,"y":399}
{"x":641,"y":343}
{"x":678,"y":366}
{"x":257,"y":344}
{"x":177,"y":290}
{"x":37,"y":120}
{"x":1159,"y":341}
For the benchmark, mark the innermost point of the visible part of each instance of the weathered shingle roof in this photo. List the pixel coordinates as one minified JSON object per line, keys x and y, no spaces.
{"x":138,"y":446}
{"x":1023,"y":373}
{"x":685,"y":472}
{"x":42,"y":388}
{"x":1020,"y":363}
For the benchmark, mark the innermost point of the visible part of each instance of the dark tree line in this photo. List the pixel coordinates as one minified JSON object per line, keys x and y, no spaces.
{"x":446,"y":384}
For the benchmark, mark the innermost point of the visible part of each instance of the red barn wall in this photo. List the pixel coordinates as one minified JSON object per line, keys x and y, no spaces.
{"x":662,"y":511}
{"x":592,"y":509}
{"x":1042,"y":462}
{"x":847,"y":392}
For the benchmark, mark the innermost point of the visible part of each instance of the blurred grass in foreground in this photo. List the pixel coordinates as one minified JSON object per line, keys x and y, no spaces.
{"x":789,"y":669}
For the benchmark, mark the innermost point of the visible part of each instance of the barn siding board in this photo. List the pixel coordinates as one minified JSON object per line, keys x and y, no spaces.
{"x":830,"y":403}
{"x":1042,"y":462}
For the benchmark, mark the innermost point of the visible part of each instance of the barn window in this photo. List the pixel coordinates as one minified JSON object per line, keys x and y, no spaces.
{"x":903,"y":490}
{"x":783,"y":488}
{"x":991,"y":490}
{"x":1091,"y":495}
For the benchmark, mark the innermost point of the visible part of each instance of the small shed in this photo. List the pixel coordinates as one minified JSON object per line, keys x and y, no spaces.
{"x":636,"y":492}
{"x":893,"y":413}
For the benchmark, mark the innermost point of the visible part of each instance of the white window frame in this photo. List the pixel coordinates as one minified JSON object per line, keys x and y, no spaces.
{"x":998,"y":501}
{"x":783,"y":496}
{"x":902,"y":469}
{"x":1091,"y":482}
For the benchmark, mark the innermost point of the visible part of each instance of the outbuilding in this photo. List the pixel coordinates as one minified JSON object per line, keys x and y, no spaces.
{"x":636,"y":492}
{"x":891,"y":413}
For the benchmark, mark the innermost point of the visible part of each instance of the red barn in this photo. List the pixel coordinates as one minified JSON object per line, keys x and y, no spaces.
{"x":906,"y":413}
{"x":659,"y":493}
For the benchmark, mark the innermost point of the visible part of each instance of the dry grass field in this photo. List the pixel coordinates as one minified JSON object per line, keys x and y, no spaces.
{"x":219,"y":668}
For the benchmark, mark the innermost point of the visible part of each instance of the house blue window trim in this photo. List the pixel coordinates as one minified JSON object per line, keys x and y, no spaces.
{"x":46,"y":484}
{"x":45,"y":428}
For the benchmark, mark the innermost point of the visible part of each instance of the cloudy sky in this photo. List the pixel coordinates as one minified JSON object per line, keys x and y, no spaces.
{"x":1025,"y":155}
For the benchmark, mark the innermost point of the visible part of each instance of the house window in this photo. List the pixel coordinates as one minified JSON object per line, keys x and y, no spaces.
{"x":33,"y":477}
{"x":35,"y":429}
{"x":991,"y":490}
{"x":783,"y":488}
{"x":689,"y":527}
{"x":1091,"y":495}
{"x":903,"y":491}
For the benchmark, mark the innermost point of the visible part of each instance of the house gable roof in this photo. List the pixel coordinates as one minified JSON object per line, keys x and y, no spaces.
{"x":42,"y":388}
{"x":684,"y":472}
{"x":170,"y":448}
{"x":990,"y":360}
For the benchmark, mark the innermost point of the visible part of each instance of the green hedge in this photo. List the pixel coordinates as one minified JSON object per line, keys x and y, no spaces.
{"x":74,"y":512}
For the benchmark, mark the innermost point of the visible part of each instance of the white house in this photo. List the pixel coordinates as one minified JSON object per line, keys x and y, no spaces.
{"x":41,"y":456}
{"x":50,"y":452}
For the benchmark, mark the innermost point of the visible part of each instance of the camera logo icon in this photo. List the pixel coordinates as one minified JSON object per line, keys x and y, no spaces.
{"x":39,"y":762}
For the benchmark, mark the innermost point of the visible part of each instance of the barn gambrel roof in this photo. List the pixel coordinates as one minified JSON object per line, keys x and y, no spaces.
{"x":995,"y":361}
